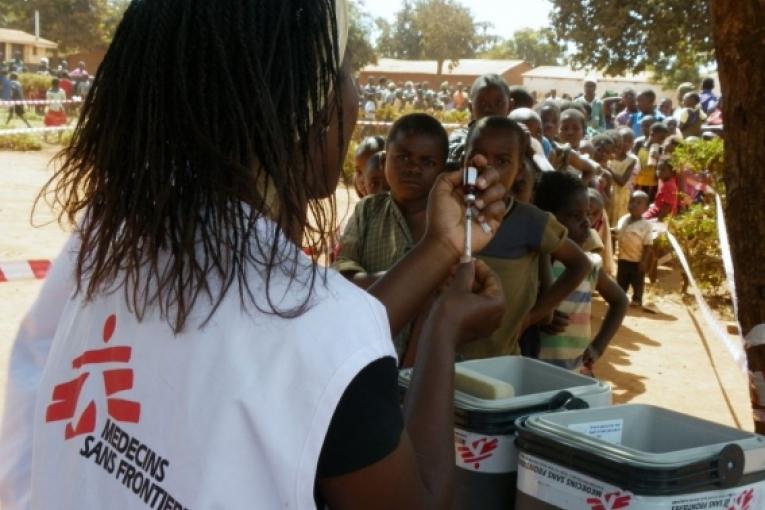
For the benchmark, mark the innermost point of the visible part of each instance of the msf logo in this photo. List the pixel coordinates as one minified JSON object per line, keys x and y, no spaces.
{"x":65,"y":399}
{"x":478,"y":451}
{"x":611,"y":501}
{"x":744,"y":501}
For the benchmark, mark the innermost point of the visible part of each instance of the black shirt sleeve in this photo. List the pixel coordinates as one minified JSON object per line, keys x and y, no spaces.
{"x":367,"y":423}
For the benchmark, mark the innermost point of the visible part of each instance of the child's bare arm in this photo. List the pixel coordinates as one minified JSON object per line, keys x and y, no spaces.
{"x":617,"y":309}
{"x":577,"y":267}
{"x":624,"y":179}
{"x":584,"y":165}
{"x":646,"y":259}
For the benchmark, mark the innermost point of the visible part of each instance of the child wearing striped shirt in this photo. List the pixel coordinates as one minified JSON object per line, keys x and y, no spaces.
{"x":572,"y":346}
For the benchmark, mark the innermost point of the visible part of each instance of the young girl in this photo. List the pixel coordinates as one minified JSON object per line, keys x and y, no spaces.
{"x":251,"y":374}
{"x":624,"y":167}
{"x":575,"y":348}
{"x":526,"y":234}
{"x":572,"y":127}
{"x":56,"y":114}
{"x":666,"y":201}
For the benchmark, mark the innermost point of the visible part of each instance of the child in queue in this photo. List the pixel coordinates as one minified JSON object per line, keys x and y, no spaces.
{"x":374,"y":175}
{"x":634,"y":236}
{"x":574,"y":348}
{"x":384,"y":227}
{"x":525,"y":234}
{"x":600,"y":241}
{"x":666,"y":201}
{"x":623,"y":168}
{"x":366,"y":149}
{"x":647,"y":179}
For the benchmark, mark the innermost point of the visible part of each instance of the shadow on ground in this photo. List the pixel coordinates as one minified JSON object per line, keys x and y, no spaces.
{"x":613,"y":366}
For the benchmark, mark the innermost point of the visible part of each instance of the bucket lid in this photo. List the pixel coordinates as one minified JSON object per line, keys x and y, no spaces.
{"x":626,"y":434}
{"x":535,"y":383}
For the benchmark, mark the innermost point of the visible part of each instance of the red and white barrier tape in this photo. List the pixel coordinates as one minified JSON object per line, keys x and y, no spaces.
{"x":383,"y":123}
{"x":29,"y":131}
{"x":25,"y":270}
{"x":40,"y":102}
{"x":735,"y":348}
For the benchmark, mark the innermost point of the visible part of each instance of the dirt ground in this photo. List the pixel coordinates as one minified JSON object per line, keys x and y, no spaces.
{"x":667,"y":359}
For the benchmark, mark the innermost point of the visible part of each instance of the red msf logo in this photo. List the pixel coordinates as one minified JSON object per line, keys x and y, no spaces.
{"x":477,"y":451}
{"x":612,"y":501}
{"x":744,"y":501}
{"x":66,"y":395}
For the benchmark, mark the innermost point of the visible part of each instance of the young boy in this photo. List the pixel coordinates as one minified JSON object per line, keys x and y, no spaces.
{"x":634,"y":236}
{"x":17,"y":94}
{"x":384,"y":227}
{"x":526,"y":234}
{"x":691,"y":117}
{"x":574,"y":348}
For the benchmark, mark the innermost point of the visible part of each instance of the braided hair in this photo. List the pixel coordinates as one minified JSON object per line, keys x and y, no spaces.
{"x":197,"y":126}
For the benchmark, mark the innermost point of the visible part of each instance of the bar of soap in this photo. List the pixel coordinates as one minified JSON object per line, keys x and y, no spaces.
{"x":480,"y":385}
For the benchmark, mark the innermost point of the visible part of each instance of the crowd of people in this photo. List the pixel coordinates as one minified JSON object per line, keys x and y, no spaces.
{"x":64,"y":85}
{"x":588,"y":176}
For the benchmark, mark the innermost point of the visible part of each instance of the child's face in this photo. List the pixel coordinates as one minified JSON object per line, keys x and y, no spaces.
{"x":360,"y":162}
{"x":550,"y":123}
{"x":502,"y":151}
{"x":571,"y":131}
{"x":374,"y":181}
{"x":645,"y":103}
{"x":523,"y":187}
{"x":534,"y":127}
{"x":658,"y":137}
{"x":490,"y":101}
{"x":637,"y":206}
{"x":629,"y":100}
{"x":665,"y":171}
{"x":603,"y":153}
{"x":645,"y":126}
{"x":575,"y":216}
{"x":412,"y":163}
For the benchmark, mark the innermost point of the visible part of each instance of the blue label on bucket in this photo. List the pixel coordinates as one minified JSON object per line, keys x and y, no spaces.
{"x":609,"y":430}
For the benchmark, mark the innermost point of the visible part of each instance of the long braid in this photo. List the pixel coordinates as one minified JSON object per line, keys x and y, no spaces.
{"x":189,"y":112}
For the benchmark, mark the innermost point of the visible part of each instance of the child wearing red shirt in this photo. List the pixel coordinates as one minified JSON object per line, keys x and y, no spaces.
{"x":666,"y":200}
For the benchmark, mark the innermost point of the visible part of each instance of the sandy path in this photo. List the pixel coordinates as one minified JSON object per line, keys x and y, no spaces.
{"x":662,"y":359}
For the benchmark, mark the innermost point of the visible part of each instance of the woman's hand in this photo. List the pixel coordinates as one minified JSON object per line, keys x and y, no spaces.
{"x":446,"y":209}
{"x":473,"y":304}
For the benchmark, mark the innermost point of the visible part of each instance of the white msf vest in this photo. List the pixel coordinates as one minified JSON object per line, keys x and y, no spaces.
{"x":117,"y":414}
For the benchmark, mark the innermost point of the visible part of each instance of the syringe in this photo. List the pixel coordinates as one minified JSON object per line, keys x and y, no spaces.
{"x":469,"y":180}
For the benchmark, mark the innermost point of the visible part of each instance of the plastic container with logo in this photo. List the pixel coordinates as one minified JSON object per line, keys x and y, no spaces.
{"x":484,"y":432}
{"x":637,"y":457}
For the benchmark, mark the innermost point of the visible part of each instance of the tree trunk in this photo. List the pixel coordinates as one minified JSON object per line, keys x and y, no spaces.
{"x":440,"y":68}
{"x":739,"y":33}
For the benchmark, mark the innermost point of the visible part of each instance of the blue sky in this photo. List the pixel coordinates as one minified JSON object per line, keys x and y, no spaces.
{"x":506,"y":15}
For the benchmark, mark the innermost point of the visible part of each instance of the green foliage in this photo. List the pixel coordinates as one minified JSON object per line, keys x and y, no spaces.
{"x":537,"y":47}
{"x":441,"y":30}
{"x":360,"y":36}
{"x":703,"y":156}
{"x":76,"y":25}
{"x":696,"y":231}
{"x":666,"y":36}
{"x":20,"y":143}
{"x":34,"y":85}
